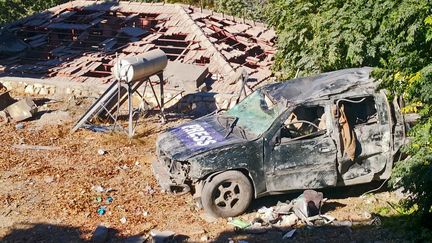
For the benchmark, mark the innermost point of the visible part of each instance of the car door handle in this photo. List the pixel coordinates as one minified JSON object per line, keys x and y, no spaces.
{"x":324,"y":150}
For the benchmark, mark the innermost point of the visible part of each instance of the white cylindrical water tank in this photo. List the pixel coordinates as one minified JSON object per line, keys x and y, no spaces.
{"x":139,"y":67}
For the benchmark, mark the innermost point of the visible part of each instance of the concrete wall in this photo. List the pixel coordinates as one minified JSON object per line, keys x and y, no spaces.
{"x":201,"y":103}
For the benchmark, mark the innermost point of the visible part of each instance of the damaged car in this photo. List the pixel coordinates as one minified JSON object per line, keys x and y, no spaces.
{"x":333,"y":129}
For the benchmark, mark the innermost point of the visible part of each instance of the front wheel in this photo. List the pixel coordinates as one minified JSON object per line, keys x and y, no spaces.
{"x":228,"y":194}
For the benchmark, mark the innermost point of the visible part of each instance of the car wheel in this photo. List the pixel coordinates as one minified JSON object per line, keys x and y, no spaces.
{"x":227,"y":195}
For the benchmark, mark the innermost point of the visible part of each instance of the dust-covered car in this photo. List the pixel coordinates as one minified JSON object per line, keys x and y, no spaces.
{"x":329,"y":130}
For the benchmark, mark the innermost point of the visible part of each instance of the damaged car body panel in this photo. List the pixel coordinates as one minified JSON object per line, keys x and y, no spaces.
{"x":328,"y":130}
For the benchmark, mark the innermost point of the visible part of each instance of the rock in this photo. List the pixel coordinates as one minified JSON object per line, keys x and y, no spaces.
{"x":204,"y":238}
{"x":29,"y":89}
{"x":100,"y":234}
{"x":101,"y":151}
{"x":22,"y":109}
{"x":43,"y":91}
{"x":19,"y":126}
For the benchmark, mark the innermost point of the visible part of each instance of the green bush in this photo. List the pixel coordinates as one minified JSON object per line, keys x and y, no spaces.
{"x":394,"y":36}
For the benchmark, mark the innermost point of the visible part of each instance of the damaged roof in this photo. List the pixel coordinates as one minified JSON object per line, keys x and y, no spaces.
{"x":322,"y":85}
{"x":79,"y":40}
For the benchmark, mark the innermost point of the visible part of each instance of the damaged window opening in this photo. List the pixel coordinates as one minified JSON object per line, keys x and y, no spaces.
{"x":359,"y":110}
{"x":304,"y":122}
{"x":257,"y":107}
{"x":353,"y":113}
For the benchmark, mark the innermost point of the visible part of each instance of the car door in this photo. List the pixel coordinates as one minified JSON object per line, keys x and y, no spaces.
{"x":301,"y":161}
{"x":369,"y":120}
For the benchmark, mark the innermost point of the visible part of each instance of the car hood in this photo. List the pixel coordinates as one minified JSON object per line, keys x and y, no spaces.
{"x":194,"y":137}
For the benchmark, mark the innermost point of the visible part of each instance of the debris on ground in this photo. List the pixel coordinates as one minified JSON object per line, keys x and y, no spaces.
{"x":239,"y":223}
{"x":53,"y":118}
{"x":21,"y":110}
{"x":303,"y":210}
{"x":101,"y":151}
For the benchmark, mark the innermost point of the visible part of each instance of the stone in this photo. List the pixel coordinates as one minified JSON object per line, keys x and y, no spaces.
{"x":29,"y":89}
{"x":43,"y":91}
{"x":22,"y":109}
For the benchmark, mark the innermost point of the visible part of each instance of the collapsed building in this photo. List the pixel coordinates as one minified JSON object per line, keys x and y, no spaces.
{"x":72,"y":47}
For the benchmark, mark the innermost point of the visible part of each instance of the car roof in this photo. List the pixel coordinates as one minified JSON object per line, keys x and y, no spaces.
{"x":323,"y":85}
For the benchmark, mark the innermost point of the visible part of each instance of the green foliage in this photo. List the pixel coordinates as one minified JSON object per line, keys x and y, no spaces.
{"x":393,"y":36}
{"x":250,"y":9}
{"x":14,"y":9}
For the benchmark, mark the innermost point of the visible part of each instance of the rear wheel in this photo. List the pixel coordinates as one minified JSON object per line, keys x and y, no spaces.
{"x":227,"y":195}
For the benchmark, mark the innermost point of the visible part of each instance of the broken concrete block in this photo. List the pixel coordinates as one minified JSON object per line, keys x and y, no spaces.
{"x":22,"y":109}
{"x":43,"y":91}
{"x":29,"y":89}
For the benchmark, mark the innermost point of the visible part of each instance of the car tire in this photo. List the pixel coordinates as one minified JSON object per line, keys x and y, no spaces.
{"x":227,"y":195}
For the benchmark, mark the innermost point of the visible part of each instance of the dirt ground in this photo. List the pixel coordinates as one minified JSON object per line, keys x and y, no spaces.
{"x":54,"y":195}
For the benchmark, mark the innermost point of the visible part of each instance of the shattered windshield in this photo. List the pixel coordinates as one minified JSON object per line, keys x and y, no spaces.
{"x":255,"y":113}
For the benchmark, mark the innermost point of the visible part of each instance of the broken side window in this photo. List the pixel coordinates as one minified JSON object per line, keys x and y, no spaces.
{"x":360,"y":110}
{"x":352,"y":113}
{"x":304,"y":121}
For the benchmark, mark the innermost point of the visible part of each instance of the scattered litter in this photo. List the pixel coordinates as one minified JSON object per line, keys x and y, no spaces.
{"x":19,"y":126}
{"x":99,"y":199}
{"x":288,"y":220}
{"x":109,"y":200}
{"x":101,"y":210}
{"x":239,"y":223}
{"x":98,"y":188}
{"x":289,"y":234}
{"x":123,"y":220}
{"x":145,"y":213}
{"x":100,"y":234}
{"x":204,"y":238}
{"x":101,"y":151}
{"x":149,"y":190}
{"x":308,"y":204}
{"x":162,"y":236}
{"x":99,"y":128}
